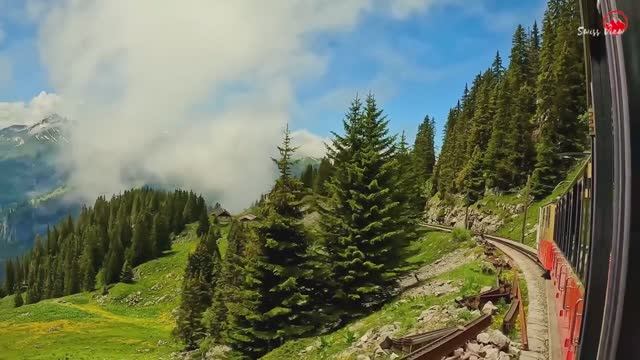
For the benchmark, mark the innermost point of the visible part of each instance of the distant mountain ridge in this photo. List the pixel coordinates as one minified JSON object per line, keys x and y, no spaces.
{"x":31,"y":186}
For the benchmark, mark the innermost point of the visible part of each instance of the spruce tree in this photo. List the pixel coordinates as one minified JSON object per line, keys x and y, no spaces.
{"x":17,"y":300}
{"x":325,"y":169}
{"x":196,"y":296}
{"x":203,"y":223}
{"x":228,"y":282}
{"x":561,"y":97}
{"x":160,"y":234}
{"x":307,"y":176}
{"x":279,"y":277}
{"x":474,"y":180}
{"x":9,"y":277}
{"x":141,"y":242}
{"x":424,"y":157}
{"x":411,"y":192}
{"x":190,"y":327}
{"x":113,"y":262}
{"x":362,"y":223}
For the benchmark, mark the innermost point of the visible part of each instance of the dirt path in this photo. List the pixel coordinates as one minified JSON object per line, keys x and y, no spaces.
{"x":537,"y":315}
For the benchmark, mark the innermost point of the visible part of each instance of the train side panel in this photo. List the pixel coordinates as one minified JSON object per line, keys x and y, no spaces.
{"x":563,"y":247}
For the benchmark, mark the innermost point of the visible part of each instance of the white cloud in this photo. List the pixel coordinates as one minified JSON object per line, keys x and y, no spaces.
{"x":309,"y":144}
{"x":20,"y":113}
{"x":132,"y":71}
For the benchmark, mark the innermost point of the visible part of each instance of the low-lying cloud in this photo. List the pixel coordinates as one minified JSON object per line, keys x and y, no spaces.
{"x":21,"y":113}
{"x":193,"y":93}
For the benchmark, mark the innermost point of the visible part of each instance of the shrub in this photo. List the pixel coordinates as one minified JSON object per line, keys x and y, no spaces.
{"x":460,"y":235}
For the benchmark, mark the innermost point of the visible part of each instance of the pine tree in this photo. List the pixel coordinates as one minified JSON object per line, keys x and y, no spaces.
{"x":411,"y":191}
{"x":141,"y":242}
{"x":196,"y":296}
{"x":496,"y":159}
{"x":363,"y":225}
{"x":203,"y":223}
{"x":561,"y":98}
{"x":474,"y":180}
{"x":87,"y":270}
{"x":189,"y":212}
{"x":126,"y":274}
{"x":307,"y":176}
{"x":17,"y":300}
{"x":9,"y":277}
{"x":424,"y":157}
{"x":189,"y":318}
{"x":279,"y":277}
{"x":228,"y":283}
{"x":160,"y":234}
{"x":325,"y":169}
{"x":114,"y":261}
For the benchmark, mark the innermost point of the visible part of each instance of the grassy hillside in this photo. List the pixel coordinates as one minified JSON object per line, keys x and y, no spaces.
{"x":403,"y":311}
{"x":134,"y":321}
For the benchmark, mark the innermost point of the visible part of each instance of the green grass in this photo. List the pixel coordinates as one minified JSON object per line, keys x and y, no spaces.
{"x":404,"y":311}
{"x":429,"y":248}
{"x":88,"y":326}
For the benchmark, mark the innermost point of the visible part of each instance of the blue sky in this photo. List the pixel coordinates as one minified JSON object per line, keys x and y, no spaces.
{"x":416,"y":65}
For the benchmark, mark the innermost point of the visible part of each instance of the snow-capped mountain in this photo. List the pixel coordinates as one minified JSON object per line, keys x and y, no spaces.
{"x":51,"y":130}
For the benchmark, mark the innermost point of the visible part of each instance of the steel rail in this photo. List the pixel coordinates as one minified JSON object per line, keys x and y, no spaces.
{"x":447,"y":344}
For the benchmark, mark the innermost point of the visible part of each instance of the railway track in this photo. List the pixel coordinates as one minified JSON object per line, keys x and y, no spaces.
{"x":534,"y":341}
{"x":519,"y":247}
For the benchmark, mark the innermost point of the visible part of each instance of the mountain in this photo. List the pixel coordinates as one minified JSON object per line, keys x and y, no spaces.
{"x":27,"y":157}
{"x":31,"y":186}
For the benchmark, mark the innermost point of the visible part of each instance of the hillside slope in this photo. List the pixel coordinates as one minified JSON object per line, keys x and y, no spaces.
{"x":454,"y":269}
{"x":133,"y":321}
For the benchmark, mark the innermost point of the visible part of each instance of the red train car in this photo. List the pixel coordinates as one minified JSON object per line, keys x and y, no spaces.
{"x":563,"y":250}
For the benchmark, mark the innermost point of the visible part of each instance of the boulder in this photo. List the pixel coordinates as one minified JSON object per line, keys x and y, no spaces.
{"x":489,"y":308}
{"x":485,"y":288}
{"x":503,"y":356}
{"x":483,"y":338}
{"x":498,"y":339}
{"x":491,"y":353}
{"x":474,"y":348}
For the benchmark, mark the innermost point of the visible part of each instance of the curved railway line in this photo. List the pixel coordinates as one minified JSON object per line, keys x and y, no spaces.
{"x":519,"y":247}
{"x":538,"y":329}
